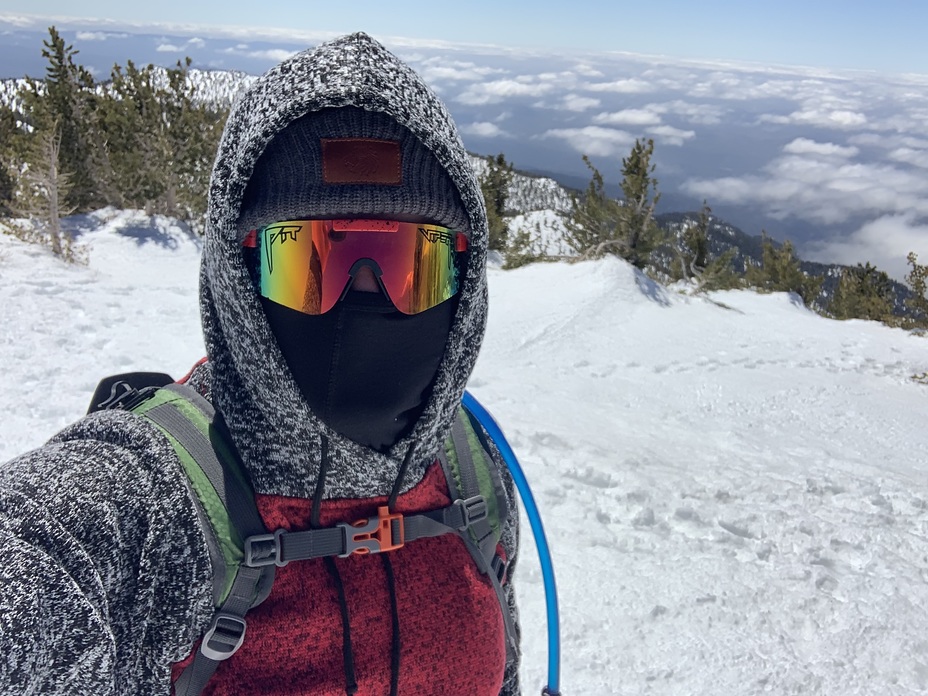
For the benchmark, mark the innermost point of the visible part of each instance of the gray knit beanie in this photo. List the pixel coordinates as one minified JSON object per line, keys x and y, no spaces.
{"x":348,"y":162}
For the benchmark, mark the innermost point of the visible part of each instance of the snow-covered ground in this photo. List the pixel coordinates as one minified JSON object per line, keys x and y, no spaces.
{"x":734,"y":488}
{"x":133,"y":307}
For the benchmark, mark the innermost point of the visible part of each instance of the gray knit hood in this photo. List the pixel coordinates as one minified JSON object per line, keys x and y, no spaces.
{"x":278,"y":436}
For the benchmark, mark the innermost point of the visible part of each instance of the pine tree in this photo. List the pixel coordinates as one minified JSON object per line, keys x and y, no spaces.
{"x":43,"y":191}
{"x":697,"y":239}
{"x":599,"y":224}
{"x":130,"y":116}
{"x":639,"y":188}
{"x":694,"y":262}
{"x":193,"y":131}
{"x":494,"y":184}
{"x":863,"y":292}
{"x":693,"y":257}
{"x":161,"y":142}
{"x":719,"y":274}
{"x":9,"y":161}
{"x":917,"y":280}
{"x":65,"y":97}
{"x":591,"y":228}
{"x":780,"y":271}
{"x":525,"y":248}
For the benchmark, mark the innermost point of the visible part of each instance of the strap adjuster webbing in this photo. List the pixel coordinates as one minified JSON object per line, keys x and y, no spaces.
{"x":385,"y":532}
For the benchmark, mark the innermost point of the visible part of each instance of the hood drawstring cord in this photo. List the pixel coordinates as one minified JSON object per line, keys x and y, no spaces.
{"x":400,"y":477}
{"x":395,"y":616}
{"x":391,"y":580}
{"x":351,"y":682}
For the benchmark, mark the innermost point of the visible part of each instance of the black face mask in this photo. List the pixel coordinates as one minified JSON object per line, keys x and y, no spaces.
{"x":364,"y":368}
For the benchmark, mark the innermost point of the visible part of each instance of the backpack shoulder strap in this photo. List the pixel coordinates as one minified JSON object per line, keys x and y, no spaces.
{"x":225,"y":505}
{"x":469,"y":469}
{"x":470,"y":472}
{"x":213,"y":472}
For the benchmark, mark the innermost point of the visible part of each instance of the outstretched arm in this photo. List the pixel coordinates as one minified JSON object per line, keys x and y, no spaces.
{"x":104,"y":577}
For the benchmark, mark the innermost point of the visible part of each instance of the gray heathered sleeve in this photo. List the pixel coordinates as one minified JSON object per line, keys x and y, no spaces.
{"x":105,"y":577}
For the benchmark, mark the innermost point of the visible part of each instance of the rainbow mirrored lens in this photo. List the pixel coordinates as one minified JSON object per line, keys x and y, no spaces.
{"x":307,"y":265}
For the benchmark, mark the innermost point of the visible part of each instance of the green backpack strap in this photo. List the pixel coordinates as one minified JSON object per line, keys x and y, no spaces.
{"x":471,"y":472}
{"x":228,"y":516}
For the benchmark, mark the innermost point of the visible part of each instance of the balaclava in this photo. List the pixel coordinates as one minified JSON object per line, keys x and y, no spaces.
{"x":272,"y":165}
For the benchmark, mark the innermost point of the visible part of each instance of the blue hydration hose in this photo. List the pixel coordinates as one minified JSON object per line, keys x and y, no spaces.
{"x":538,"y":531}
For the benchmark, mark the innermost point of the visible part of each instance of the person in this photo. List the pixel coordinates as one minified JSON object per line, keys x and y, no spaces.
{"x":337,"y":362}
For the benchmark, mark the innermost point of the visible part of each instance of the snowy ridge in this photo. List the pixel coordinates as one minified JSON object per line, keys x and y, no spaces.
{"x":219,"y":88}
{"x":748,"y":249}
{"x":733,"y":487}
{"x":9,"y":90}
{"x":528,"y":193}
{"x":535,"y":202}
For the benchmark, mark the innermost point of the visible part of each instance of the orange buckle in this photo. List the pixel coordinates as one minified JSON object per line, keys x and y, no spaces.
{"x":373,"y":535}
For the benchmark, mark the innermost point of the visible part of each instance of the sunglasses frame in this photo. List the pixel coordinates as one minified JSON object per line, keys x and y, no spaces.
{"x":417,"y":265}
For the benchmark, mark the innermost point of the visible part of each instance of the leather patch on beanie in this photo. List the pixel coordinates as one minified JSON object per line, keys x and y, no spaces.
{"x":361,"y":161}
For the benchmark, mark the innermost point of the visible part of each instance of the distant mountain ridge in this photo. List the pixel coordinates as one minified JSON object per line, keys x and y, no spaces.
{"x":217,"y":87}
{"x":528,"y":192}
{"x":749,"y":250}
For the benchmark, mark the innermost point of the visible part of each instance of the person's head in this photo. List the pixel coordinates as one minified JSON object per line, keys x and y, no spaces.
{"x":343,"y":146}
{"x":356,"y":241}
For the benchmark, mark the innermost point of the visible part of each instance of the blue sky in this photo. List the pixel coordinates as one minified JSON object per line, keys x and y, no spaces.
{"x":885,"y":36}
